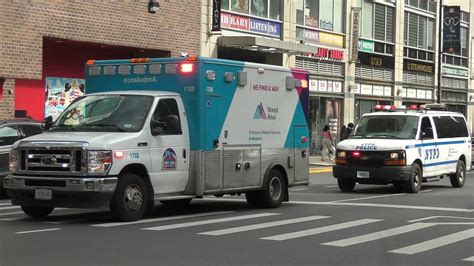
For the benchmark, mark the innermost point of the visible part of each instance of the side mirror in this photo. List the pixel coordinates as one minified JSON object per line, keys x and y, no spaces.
{"x":427,"y":133}
{"x":48,"y":122}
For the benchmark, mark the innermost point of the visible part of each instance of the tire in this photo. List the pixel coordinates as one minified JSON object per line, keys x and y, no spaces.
{"x":130,"y":198}
{"x":3,"y":193}
{"x":413,"y":184}
{"x":37,"y":212}
{"x":272,"y":194}
{"x":178,"y":204}
{"x":457,"y":179}
{"x":346,"y":185}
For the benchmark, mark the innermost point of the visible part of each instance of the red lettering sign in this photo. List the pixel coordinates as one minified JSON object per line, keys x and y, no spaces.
{"x":327,"y":54}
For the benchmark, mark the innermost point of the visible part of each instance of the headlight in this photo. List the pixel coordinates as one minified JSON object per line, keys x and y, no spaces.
{"x":341,"y":154}
{"x":99,"y":162}
{"x":396,"y":158}
{"x":13,"y":161}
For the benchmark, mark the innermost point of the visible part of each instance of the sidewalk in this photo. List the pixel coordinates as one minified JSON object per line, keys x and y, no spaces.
{"x":316,"y":161}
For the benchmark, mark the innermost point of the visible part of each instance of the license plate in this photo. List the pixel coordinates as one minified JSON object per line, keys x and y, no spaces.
{"x":43,"y":194}
{"x":363,"y":174}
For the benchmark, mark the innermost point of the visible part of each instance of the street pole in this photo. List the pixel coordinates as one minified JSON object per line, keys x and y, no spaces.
{"x":440,"y":51}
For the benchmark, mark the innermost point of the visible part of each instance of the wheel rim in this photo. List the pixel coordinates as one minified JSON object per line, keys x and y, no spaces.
{"x":275,"y":188}
{"x":416,"y":179}
{"x":133,"y":198}
{"x":460,"y":174}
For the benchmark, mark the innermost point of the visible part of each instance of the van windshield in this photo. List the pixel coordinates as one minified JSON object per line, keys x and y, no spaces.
{"x":386,"y":127}
{"x":114,"y":113}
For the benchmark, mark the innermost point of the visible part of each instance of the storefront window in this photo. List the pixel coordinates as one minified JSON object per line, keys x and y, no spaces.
{"x":323,"y":14}
{"x":259,"y":8}
{"x":367,"y":106}
{"x":300,"y":12}
{"x":241,"y":6}
{"x":275,"y":9}
{"x":324,"y":111}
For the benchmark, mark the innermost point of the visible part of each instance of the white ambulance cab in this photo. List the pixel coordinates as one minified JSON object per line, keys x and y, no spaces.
{"x":404,"y":147}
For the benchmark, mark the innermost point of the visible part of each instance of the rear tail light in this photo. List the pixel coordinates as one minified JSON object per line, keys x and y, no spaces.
{"x":186,"y":67}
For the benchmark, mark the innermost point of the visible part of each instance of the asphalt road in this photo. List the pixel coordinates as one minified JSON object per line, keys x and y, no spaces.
{"x":374,"y":225}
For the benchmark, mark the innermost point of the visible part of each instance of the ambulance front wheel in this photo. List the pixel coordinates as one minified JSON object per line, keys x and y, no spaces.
{"x":413,"y":184}
{"x":272,"y":194}
{"x":130,"y":198}
{"x":346,"y":185}
{"x":457,"y":179}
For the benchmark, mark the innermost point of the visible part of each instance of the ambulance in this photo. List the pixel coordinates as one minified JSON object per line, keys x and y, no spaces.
{"x":405,"y":147}
{"x":168,"y":130}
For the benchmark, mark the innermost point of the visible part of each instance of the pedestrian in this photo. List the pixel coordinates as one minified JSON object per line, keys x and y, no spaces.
{"x":327,"y":143}
{"x":348,"y":130}
{"x":341,"y":134}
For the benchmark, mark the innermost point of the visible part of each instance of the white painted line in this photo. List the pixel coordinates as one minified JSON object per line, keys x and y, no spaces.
{"x":213,"y":221}
{"x":6,"y":204}
{"x":10,"y":219}
{"x":331,"y":186}
{"x":320,"y":230}
{"x":427,"y":190}
{"x":435,"y":243}
{"x":298,"y":189}
{"x":469,"y":259}
{"x":378,"y":235}
{"x":9,"y":208}
{"x":452,"y":223}
{"x":38,"y":231}
{"x":262,"y":225}
{"x":373,"y":197}
{"x":433,"y":217}
{"x":10,"y":213}
{"x":151,"y":220}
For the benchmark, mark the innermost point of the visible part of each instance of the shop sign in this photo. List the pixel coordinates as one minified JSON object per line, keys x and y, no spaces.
{"x":377,"y":90}
{"x":325,"y":86}
{"x":376,"y":60}
{"x":313,"y":85}
{"x":329,"y":86}
{"x":411,"y":93}
{"x":331,"y":39}
{"x":231,"y":21}
{"x":366,"y":46}
{"x":311,"y":36}
{"x":216,"y":15}
{"x":451,"y":71}
{"x":337,"y":86}
{"x":417,"y":66}
{"x":355,"y":33}
{"x":452,"y":29}
{"x":327,"y":54}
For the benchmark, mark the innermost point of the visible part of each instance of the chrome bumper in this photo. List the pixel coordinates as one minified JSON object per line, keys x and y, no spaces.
{"x":63,"y":184}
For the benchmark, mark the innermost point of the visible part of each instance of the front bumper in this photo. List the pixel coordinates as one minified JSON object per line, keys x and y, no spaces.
{"x":73,"y":192}
{"x":377,"y":175}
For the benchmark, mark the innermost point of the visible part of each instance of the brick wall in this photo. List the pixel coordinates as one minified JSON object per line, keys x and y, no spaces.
{"x":23,"y":24}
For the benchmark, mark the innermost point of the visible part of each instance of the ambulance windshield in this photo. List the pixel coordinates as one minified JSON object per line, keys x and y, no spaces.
{"x":386,"y":127}
{"x":114,"y":113}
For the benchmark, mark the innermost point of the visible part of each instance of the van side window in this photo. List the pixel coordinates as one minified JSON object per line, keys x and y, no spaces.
{"x":450,"y":126}
{"x":165,"y":119}
{"x":426,"y":123}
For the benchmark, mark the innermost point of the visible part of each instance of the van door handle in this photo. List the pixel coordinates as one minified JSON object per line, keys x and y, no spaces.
{"x":184,"y":153}
{"x":142,"y":144}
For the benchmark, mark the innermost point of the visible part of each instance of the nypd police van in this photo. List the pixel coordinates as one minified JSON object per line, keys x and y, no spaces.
{"x":404,"y":148}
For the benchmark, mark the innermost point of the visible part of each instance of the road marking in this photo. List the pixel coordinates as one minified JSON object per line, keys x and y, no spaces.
{"x":262,"y":225}
{"x":435,"y":243}
{"x":151,"y":220}
{"x":10,"y":213}
{"x":426,"y":190}
{"x":320,"y":170}
{"x":9,"y":208}
{"x":38,"y":231}
{"x":320,"y":230}
{"x":6,"y":204}
{"x":213,"y":221}
{"x":331,"y":186}
{"x":373,"y":197}
{"x":434,"y":217}
{"x":378,"y":235}
{"x":11,"y":219}
{"x":469,"y":259}
{"x":299,"y":189}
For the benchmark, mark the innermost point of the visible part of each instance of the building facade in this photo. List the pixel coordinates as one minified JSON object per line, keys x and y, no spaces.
{"x":359,"y":53}
{"x":44,"y":45}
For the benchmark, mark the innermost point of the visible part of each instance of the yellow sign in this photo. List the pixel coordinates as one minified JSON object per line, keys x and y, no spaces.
{"x":331,"y":39}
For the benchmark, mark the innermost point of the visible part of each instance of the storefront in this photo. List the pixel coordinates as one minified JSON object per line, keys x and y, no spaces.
{"x":374,"y":82}
{"x":418,"y":82}
{"x":454,"y":88}
{"x":326,"y":84}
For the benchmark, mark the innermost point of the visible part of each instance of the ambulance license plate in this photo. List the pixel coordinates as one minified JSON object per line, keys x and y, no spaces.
{"x":363,"y":174}
{"x":43,"y":194}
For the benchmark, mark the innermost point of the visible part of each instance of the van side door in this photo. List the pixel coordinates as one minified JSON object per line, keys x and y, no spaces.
{"x":427,"y":149}
{"x":169,"y":146}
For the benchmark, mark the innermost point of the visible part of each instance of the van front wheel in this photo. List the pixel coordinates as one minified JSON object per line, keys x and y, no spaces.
{"x":413,"y":184}
{"x":346,"y":185}
{"x":457,"y":179}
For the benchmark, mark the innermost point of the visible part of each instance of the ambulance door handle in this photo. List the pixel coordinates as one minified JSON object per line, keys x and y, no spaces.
{"x":142,"y":144}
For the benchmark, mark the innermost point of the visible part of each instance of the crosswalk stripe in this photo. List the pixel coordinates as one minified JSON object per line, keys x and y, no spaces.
{"x":469,"y":259}
{"x":38,"y":231}
{"x":262,"y":225}
{"x":213,"y":221}
{"x":9,"y":208}
{"x":10,"y":213}
{"x":320,"y":230}
{"x":378,"y":235}
{"x":151,"y":220}
{"x":435,"y":243}
{"x":6,"y":204}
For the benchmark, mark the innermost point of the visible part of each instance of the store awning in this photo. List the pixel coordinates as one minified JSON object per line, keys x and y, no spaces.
{"x":255,"y":43}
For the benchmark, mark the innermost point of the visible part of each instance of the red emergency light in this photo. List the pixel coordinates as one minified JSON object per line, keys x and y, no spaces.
{"x":355,"y":154}
{"x":380,"y":107}
{"x":186,"y":67}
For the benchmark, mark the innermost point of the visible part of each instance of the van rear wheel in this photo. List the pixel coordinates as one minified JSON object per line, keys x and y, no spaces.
{"x":457,"y":179}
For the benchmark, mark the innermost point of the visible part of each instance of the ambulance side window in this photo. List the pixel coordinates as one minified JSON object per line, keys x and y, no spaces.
{"x":165,"y":119}
{"x":426,"y":128}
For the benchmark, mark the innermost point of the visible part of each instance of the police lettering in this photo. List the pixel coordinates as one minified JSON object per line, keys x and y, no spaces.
{"x":366,"y":146}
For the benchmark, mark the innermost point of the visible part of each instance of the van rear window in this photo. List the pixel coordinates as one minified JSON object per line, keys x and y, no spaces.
{"x":450,"y":127}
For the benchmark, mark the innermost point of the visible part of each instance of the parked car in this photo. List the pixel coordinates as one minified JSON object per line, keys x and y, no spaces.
{"x":11,"y":131}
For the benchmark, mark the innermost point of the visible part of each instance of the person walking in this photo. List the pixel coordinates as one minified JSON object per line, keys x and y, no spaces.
{"x":348,"y":130}
{"x":327,"y":143}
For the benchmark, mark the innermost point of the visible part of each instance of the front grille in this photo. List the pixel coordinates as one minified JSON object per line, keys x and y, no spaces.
{"x":367,"y":159}
{"x":51,"y":160}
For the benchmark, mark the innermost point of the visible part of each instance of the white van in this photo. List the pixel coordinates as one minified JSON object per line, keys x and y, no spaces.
{"x":404,"y":148}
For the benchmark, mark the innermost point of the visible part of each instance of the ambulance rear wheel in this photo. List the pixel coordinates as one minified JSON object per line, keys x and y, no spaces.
{"x":272,"y":194}
{"x":413,"y":184}
{"x":457,"y":179}
{"x":37,"y":212}
{"x":130,"y":198}
{"x":346,"y":185}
